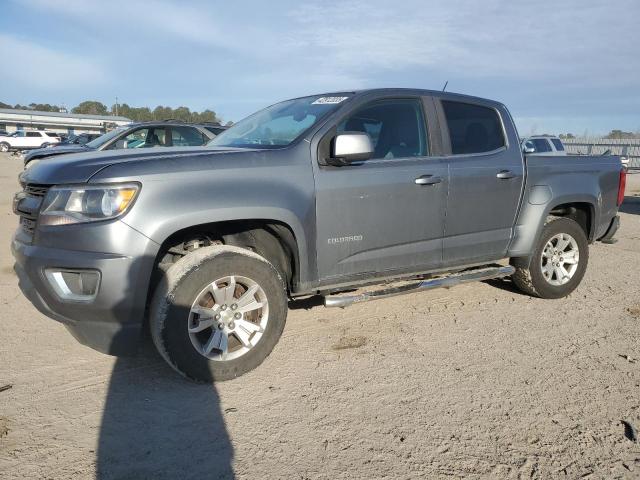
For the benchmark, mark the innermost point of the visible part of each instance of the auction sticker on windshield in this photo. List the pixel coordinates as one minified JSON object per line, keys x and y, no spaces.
{"x":328,"y":100}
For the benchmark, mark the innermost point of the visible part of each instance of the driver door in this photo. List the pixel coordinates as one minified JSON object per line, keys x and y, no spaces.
{"x":374,"y":217}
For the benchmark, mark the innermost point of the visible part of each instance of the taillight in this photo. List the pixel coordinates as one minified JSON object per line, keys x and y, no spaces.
{"x":622,"y":185}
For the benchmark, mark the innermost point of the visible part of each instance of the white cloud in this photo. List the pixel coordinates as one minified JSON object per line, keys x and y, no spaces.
{"x":472,"y":38}
{"x":31,"y":65}
{"x":545,"y":59}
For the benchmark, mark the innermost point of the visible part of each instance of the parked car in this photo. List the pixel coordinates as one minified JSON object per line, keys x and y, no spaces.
{"x":215,"y":128}
{"x":79,"y":139}
{"x":544,"y":145}
{"x":25,"y":140}
{"x":315,"y":195}
{"x":135,"y":135}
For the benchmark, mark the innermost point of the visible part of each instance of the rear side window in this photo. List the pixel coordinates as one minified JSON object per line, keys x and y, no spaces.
{"x":541,"y":145}
{"x":473,"y":128}
{"x":215,"y":130}
{"x":186,"y":137}
{"x":51,"y":134}
{"x":558,"y":144}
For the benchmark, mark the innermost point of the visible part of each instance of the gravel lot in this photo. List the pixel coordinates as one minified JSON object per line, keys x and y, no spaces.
{"x":475,"y":381}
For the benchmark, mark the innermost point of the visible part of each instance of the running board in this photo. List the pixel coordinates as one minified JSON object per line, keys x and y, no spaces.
{"x":475,"y":275}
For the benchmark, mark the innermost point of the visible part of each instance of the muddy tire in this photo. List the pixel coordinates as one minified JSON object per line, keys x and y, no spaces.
{"x":558,"y":262}
{"x":218,"y":312}
{"x":4,"y":147}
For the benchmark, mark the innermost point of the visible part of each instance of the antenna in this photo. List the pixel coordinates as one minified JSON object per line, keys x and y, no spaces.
{"x":445,"y":85}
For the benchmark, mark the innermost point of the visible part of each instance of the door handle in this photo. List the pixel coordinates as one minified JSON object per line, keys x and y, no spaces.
{"x":427,"y":180}
{"x":505,"y":174}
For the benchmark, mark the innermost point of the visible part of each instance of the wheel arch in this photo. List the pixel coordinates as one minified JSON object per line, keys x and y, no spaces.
{"x":273,"y":239}
{"x":532,"y":218}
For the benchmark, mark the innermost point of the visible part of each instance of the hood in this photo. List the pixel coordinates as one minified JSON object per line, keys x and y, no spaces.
{"x":80,"y":167}
{"x":57,"y":150}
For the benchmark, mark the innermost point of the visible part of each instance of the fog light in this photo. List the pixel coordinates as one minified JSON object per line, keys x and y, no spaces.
{"x":74,"y":285}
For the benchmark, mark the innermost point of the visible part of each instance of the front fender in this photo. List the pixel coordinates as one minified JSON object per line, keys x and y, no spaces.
{"x":219,"y":188}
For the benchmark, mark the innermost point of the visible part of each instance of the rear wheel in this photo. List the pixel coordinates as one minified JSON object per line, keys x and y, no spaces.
{"x":558,"y":263}
{"x":218,"y":313}
{"x":4,"y":147}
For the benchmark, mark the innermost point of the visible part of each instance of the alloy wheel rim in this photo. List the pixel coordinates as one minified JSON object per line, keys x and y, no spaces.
{"x":559,"y":259}
{"x":228,"y":318}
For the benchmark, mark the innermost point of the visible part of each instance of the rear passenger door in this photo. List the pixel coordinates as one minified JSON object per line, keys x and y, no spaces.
{"x":485,"y":181}
{"x":34,"y":139}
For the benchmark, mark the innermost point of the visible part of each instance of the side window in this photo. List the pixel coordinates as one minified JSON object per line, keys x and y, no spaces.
{"x":396,"y":128}
{"x":142,"y":138}
{"x":33,"y":134}
{"x":473,"y":128}
{"x":186,"y":137}
{"x":541,"y":144}
{"x":135,"y":139}
{"x":156,"y":138}
{"x":558,"y":144}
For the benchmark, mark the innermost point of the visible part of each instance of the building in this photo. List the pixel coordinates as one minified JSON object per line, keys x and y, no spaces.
{"x":12,"y":120}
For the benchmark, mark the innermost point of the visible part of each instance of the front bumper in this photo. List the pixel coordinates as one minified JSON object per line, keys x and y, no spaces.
{"x":112,"y":322}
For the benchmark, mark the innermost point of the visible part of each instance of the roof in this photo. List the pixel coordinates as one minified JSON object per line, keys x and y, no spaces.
{"x":112,"y":118}
{"x":407,"y":91}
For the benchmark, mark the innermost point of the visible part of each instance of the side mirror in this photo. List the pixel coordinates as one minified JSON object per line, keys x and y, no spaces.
{"x":352,"y":147}
{"x":120,"y":144}
{"x":528,"y":147}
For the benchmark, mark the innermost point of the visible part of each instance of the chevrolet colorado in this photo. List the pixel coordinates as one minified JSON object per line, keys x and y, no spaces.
{"x":319,"y":195}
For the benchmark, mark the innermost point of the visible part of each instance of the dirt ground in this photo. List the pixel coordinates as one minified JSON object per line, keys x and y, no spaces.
{"x":477,"y":381}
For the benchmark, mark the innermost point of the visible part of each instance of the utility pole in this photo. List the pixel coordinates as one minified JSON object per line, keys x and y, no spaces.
{"x":116,"y":106}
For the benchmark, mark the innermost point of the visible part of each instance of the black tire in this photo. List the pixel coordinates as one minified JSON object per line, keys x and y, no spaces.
{"x":181,"y":285}
{"x":44,"y":145}
{"x":4,"y":147}
{"x":529,"y":276}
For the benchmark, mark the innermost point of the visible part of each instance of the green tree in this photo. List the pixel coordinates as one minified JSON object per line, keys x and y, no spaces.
{"x":91,"y":107}
{"x":619,"y":134}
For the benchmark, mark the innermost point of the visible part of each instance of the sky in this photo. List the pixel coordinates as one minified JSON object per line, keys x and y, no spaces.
{"x":560,"y":66}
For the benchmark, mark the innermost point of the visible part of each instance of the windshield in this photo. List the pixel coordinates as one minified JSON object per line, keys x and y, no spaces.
{"x":280,"y":124}
{"x":102,"y":139}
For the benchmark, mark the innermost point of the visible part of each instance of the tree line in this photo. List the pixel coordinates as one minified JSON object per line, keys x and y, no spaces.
{"x":137,"y":114}
{"x":612,"y":135}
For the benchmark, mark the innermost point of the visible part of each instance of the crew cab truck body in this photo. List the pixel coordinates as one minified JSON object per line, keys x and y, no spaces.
{"x":315,"y":195}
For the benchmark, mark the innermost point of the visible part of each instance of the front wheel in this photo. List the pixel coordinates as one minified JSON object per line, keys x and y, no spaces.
{"x":558,"y":263}
{"x":4,"y":147}
{"x":218,"y":313}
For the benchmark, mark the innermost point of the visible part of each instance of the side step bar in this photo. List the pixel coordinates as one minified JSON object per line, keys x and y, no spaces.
{"x":475,"y":275}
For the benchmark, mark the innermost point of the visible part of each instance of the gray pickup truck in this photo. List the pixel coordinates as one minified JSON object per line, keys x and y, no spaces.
{"x":320,"y":195}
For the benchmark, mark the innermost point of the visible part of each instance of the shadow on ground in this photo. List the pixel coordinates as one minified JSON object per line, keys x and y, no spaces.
{"x":505,"y":284}
{"x":631,"y":205}
{"x":307,"y":303}
{"x":157,"y":425}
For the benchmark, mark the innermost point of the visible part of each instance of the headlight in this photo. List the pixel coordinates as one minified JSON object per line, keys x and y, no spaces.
{"x":32,"y":163}
{"x":67,"y":205}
